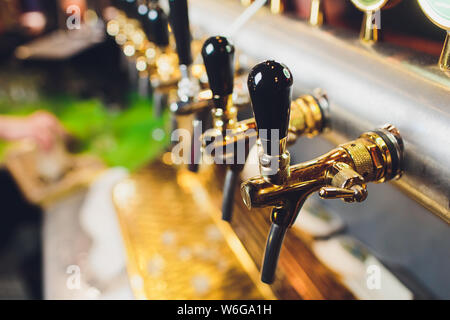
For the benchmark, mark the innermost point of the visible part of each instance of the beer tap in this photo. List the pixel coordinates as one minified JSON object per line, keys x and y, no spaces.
{"x":188,"y":86}
{"x":277,"y":6}
{"x":221,"y":97}
{"x":371,"y":28}
{"x":343,"y":173}
{"x":308,"y":117}
{"x":145,"y":42}
{"x":126,"y":28}
{"x":218,"y":57}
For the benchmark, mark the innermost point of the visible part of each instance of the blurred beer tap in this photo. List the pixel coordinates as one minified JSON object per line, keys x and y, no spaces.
{"x":218,"y":56}
{"x":189,"y":87}
{"x":162,"y":60}
{"x":277,"y":6}
{"x":371,"y":26}
{"x":127,"y":30}
{"x":343,"y":173}
{"x":145,"y":42}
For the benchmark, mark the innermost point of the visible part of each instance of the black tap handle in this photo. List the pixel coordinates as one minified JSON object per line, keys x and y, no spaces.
{"x":272,"y":252}
{"x":218,"y":57}
{"x":156,"y":25}
{"x":270,"y":88}
{"x":179,"y":20}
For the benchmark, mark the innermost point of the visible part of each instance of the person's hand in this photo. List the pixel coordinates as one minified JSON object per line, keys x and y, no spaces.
{"x":41,"y":127}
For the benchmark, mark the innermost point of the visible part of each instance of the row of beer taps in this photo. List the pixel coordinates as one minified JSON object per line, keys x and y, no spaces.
{"x":342,"y":173}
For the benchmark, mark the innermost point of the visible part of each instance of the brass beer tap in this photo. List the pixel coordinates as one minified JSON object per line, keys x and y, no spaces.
{"x":344,"y":172}
{"x":218,"y":57}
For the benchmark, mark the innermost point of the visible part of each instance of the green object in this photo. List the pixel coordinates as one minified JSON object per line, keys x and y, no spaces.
{"x":130,"y":138}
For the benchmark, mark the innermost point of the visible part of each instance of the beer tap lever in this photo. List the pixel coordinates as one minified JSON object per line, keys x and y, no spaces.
{"x":270,"y":88}
{"x":342,"y":173}
{"x":218,"y":57}
{"x":179,"y":20}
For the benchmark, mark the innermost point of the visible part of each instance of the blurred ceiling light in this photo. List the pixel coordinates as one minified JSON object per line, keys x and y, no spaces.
{"x":112,"y":28}
{"x":129,"y":49}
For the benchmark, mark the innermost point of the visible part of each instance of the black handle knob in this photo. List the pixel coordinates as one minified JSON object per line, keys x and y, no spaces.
{"x":179,"y":20}
{"x":270,"y":88}
{"x":156,"y":25}
{"x":218,"y":57}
